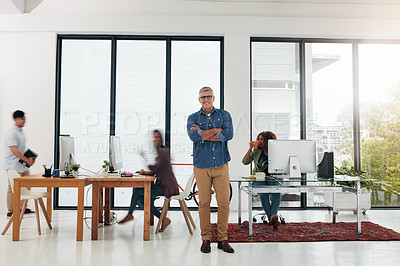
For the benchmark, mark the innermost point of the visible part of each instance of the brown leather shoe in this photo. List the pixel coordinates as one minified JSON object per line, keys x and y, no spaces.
{"x":273,"y":220}
{"x":205,"y":247}
{"x":276,"y":225}
{"x":224,"y":245}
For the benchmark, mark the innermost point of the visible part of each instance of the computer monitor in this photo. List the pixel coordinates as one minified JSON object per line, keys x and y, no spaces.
{"x":67,"y":153}
{"x":292,"y":157}
{"x":115,"y":154}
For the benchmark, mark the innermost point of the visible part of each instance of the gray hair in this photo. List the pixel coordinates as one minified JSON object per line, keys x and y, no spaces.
{"x":204,"y":89}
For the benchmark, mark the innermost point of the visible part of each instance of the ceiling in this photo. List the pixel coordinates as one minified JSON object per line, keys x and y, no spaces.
{"x":371,"y":9}
{"x":377,"y":2}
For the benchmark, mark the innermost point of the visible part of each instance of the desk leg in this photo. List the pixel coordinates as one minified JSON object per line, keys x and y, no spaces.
{"x":79,"y":223}
{"x":358,"y":207}
{"x":49,"y":206}
{"x":250,"y":209}
{"x":239,"y":204}
{"x":146,"y":227}
{"x":95,"y":210}
{"x":100,"y":209}
{"x":107,"y":206}
{"x":334,"y":207}
{"x":16,"y":211}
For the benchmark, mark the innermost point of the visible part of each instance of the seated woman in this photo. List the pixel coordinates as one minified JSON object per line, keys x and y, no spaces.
{"x":269,"y":201}
{"x":165,"y":185}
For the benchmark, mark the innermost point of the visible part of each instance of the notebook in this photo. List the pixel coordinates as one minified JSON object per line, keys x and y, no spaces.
{"x":29,"y":153}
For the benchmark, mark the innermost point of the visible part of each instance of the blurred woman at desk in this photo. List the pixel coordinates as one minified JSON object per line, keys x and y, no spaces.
{"x":165,"y":185}
{"x":269,"y":201}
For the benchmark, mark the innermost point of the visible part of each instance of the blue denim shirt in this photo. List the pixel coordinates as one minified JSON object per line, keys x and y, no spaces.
{"x":210,"y":154}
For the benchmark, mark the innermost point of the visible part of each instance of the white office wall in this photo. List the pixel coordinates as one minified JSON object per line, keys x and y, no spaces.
{"x":27,"y":78}
{"x":28,"y":58}
{"x":237,"y":102}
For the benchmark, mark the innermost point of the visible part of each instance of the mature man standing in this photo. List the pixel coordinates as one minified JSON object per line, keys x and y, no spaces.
{"x":15,"y":147}
{"x":210,"y":129}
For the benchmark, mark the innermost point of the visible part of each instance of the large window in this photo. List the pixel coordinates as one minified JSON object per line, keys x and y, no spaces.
{"x":128,"y":86}
{"x":342,"y":93}
{"x":275,"y":89}
{"x":380,"y":119}
{"x":140,"y":103}
{"x":194,"y":65}
{"x":329,"y":104}
{"x":276,"y":95}
{"x":85,"y":104}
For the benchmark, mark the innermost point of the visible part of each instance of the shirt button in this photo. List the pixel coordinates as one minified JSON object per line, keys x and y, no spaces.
{"x":209,"y":125}
{"x":213,"y":157}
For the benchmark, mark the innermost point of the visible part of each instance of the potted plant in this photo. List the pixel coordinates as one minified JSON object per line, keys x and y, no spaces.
{"x":347,"y":201}
{"x":105,"y":167}
{"x":75,"y":168}
{"x":259,"y":168}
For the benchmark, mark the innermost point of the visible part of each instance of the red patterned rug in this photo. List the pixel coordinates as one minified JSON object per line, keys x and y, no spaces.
{"x":307,"y":232}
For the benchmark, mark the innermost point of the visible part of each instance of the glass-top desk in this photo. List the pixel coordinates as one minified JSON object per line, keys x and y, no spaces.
{"x":298,"y":185}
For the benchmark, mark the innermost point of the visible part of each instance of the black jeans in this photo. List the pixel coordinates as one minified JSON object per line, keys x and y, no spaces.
{"x":138,"y":199}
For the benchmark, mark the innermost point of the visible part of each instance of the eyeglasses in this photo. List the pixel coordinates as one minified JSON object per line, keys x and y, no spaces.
{"x":208,"y":97}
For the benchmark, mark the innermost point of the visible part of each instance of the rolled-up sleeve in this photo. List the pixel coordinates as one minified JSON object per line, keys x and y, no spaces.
{"x":227,"y":128}
{"x":194,"y":135}
{"x":247,"y":161}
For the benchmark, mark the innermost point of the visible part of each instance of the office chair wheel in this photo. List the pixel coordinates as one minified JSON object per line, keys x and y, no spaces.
{"x":262,"y":215}
{"x":283,"y":221}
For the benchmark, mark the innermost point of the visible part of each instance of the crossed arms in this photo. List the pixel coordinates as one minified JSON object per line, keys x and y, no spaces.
{"x":222,"y":133}
{"x":208,"y":134}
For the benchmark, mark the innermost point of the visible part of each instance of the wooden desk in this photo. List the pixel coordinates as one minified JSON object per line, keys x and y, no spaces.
{"x":38,"y":181}
{"x":98,"y":183}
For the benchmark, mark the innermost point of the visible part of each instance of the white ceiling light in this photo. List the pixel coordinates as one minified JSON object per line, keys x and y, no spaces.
{"x":26,"y":6}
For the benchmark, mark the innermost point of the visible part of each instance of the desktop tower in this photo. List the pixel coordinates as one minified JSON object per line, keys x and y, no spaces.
{"x":326,"y":167}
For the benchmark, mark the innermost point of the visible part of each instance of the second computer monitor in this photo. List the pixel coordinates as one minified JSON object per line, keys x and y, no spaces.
{"x":115,"y":154}
{"x":67,"y":153}
{"x":292,"y":157}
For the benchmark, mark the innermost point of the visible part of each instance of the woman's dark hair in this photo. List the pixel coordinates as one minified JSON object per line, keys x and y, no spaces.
{"x":162,"y":140}
{"x":18,"y":114}
{"x":266,"y":136}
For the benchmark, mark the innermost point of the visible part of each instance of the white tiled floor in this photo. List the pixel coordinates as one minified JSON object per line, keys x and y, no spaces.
{"x":122,"y":244}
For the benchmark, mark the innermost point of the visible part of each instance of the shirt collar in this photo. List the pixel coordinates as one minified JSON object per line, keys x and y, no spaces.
{"x":19,"y":129}
{"x":213,"y":110}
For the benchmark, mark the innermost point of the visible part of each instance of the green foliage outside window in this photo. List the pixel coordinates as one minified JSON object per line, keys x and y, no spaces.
{"x":380,"y":146}
{"x":380,"y":150}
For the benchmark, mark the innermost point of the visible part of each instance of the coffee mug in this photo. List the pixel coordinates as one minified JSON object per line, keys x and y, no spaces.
{"x":56,"y":173}
{"x":256,"y":143}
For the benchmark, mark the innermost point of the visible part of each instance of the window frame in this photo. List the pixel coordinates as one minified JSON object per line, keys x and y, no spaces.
{"x":113,"y":90}
{"x":303,"y":93}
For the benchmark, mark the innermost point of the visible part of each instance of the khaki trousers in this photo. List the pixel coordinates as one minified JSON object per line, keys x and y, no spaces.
{"x":10,"y":194}
{"x":219,"y":179}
